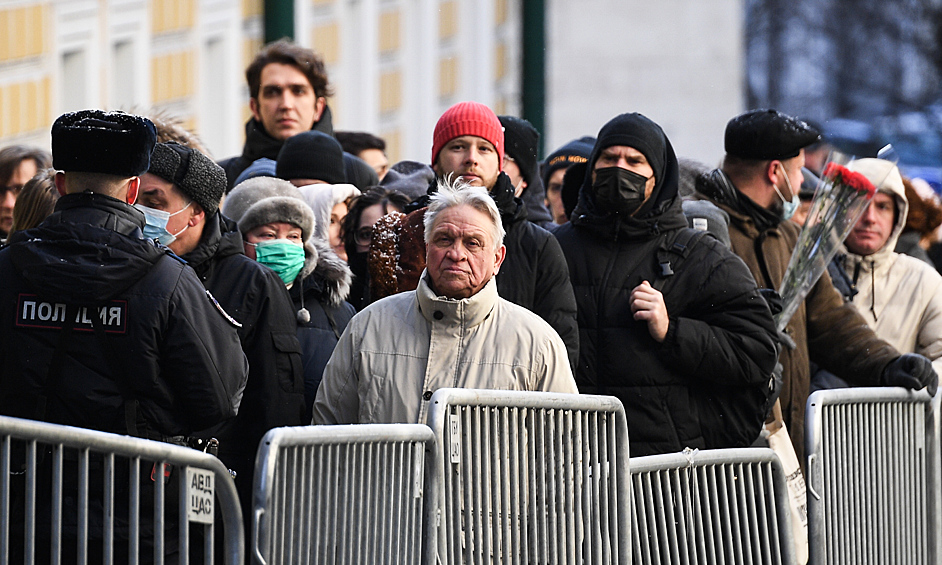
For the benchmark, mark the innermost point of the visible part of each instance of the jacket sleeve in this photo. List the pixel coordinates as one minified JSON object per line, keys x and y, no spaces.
{"x":929,"y":338}
{"x":840,"y":340}
{"x":201,"y":355}
{"x":338,"y":400}
{"x":725,"y":332}
{"x":554,"y":299}
{"x":554,"y":373}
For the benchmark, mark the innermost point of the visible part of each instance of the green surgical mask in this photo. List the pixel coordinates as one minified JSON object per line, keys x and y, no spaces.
{"x":282,"y":256}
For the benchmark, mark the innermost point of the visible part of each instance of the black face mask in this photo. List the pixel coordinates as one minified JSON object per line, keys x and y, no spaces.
{"x":619,"y":190}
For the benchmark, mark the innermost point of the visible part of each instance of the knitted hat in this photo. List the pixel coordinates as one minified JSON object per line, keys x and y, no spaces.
{"x":311,"y":155}
{"x":576,"y":151}
{"x":264,"y":200}
{"x":261,"y":167}
{"x":194,"y":173}
{"x":468,"y":118}
{"x":93,"y":141}
{"x":409,"y":177}
{"x":521,"y":143}
{"x":768,"y":134}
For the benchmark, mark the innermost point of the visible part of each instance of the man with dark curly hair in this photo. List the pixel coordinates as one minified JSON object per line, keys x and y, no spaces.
{"x":288,"y":91}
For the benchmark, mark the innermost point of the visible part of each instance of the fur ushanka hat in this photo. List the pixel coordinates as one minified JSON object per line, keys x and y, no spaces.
{"x":194,"y":173}
{"x":94,"y":141}
{"x":264,"y":200}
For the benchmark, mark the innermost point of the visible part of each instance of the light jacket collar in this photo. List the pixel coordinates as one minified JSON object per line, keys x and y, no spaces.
{"x":466,"y":312}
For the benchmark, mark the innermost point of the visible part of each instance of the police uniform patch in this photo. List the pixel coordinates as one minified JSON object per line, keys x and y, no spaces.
{"x":31,"y":312}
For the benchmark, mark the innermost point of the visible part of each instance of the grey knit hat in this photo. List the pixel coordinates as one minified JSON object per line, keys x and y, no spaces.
{"x":264,"y":200}
{"x":194,"y":173}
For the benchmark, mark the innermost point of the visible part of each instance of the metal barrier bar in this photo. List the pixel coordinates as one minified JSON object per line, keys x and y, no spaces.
{"x":528,"y":477}
{"x":54,"y":462}
{"x":341,"y":494}
{"x":724,"y":506}
{"x":873,"y":476}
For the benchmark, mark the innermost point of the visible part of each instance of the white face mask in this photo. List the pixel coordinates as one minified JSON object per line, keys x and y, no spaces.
{"x":156,"y":227}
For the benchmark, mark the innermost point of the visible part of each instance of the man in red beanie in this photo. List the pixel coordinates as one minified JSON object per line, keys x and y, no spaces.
{"x":468,"y":142}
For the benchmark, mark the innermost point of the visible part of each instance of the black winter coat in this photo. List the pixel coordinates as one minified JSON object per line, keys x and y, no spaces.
{"x":720,"y":333}
{"x":162,"y":341}
{"x":257,"y":299}
{"x":323,"y":285}
{"x":534,"y":274}
{"x":259,"y":144}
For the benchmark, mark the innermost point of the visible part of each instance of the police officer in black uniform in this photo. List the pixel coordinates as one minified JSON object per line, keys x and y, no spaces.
{"x":101,"y":328}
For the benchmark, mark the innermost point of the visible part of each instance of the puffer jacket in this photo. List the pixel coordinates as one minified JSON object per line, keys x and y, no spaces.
{"x":321,"y":291}
{"x":257,"y":299}
{"x":399,"y":350}
{"x":824,"y":329}
{"x":899,"y":296}
{"x":163,"y":343}
{"x":719,"y":347}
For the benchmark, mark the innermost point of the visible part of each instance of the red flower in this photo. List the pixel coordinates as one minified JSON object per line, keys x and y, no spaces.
{"x":840,"y":175}
{"x":860,"y":183}
{"x":834,"y":170}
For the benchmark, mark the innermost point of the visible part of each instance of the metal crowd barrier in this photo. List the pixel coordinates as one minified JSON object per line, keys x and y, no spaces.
{"x":873,"y":476}
{"x":75,"y":495}
{"x":527,"y":477}
{"x":341,"y":494}
{"x":724,"y":506}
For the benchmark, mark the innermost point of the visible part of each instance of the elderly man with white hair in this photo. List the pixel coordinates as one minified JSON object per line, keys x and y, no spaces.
{"x":452,"y":331}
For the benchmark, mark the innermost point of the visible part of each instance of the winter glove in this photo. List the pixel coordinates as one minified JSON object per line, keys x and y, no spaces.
{"x":911,"y":371}
{"x":773,"y":299}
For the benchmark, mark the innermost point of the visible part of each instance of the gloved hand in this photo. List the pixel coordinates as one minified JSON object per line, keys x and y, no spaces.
{"x":911,"y":371}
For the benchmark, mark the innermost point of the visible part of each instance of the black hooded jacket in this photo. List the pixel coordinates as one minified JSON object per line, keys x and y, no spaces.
{"x":161,"y":341}
{"x":721,"y":330}
{"x":259,"y":144}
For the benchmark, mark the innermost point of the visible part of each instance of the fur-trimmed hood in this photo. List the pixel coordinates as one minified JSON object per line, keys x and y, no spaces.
{"x":326,"y":277}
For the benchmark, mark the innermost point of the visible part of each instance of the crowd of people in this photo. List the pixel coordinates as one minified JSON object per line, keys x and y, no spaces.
{"x":146,"y":289}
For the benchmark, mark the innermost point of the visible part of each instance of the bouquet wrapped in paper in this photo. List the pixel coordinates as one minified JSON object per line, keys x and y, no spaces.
{"x":839,"y":201}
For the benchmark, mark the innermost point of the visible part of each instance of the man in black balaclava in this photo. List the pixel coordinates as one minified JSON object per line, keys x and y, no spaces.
{"x":670,"y":321}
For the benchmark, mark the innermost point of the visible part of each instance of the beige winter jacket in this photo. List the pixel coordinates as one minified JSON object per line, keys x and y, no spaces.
{"x":398,"y":351}
{"x":899,"y":296}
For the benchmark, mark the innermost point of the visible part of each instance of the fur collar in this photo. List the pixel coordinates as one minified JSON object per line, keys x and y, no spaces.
{"x":331,"y":275}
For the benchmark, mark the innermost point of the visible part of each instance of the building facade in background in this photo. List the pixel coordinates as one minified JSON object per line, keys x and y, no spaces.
{"x":395,"y":65}
{"x":679,"y":62}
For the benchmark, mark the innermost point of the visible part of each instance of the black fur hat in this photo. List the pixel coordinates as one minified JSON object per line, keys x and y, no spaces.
{"x":94,"y":141}
{"x":194,"y":173}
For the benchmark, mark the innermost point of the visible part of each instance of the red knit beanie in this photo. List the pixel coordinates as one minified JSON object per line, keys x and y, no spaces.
{"x":468,"y":118}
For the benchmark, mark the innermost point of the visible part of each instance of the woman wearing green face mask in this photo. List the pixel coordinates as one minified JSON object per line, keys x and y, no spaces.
{"x":278,"y":228}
